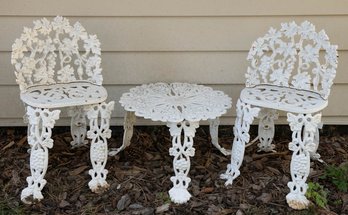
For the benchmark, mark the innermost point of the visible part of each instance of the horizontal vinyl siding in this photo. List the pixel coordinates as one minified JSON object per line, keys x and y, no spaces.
{"x":198,"y":41}
{"x":173,"y":8}
{"x":180,"y":34}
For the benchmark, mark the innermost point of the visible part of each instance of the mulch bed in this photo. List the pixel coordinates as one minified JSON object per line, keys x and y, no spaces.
{"x":139,"y":177}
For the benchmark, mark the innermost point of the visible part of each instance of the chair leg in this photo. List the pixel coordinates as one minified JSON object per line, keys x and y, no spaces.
{"x":314,"y":154}
{"x":181,"y":163}
{"x":303,"y":127}
{"x":129,"y":121}
{"x":78,"y":126}
{"x":266,"y":129}
{"x":99,"y":132}
{"x":214,"y":133}
{"x":245,"y":116}
{"x":41,"y":121}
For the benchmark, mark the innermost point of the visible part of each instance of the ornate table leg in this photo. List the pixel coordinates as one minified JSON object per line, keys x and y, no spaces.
{"x":129,"y":121}
{"x":303,"y":127}
{"x":41,"y":121}
{"x":214,"y":133}
{"x":99,"y":146}
{"x":78,"y":126}
{"x":181,"y":163}
{"x":245,"y":116}
{"x":266,"y":129}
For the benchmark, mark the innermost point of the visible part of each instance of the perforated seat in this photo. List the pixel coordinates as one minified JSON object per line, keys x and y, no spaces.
{"x":64,"y":95}
{"x":283,"y":98}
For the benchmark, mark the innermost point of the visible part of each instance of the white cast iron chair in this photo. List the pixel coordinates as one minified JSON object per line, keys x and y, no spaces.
{"x":290,"y":70}
{"x":58,"y":65}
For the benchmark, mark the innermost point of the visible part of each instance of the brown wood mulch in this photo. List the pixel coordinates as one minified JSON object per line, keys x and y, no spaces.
{"x":139,"y":177}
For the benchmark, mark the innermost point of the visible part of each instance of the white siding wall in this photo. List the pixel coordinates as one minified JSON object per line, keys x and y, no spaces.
{"x":199,"y":41}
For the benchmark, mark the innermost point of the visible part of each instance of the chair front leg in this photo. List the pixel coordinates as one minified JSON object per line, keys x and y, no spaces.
{"x":78,"y":126}
{"x":41,"y":121}
{"x":99,"y":121}
{"x":181,"y":163}
{"x":245,"y":116}
{"x":214,"y":134}
{"x":129,"y":121}
{"x":266,"y":129}
{"x":303,"y":127}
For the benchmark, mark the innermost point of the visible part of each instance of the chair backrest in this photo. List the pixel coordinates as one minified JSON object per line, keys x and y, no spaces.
{"x":295,"y":56}
{"x":56,"y":52}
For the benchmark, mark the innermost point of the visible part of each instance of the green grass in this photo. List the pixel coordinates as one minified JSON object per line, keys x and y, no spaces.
{"x":338,"y":175}
{"x":317,"y":194}
{"x":7,"y":209}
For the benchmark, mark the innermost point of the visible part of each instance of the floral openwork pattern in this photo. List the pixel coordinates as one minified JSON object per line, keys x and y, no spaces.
{"x":291,"y":70}
{"x":245,"y":116}
{"x":64,"y":95}
{"x":283,"y":98}
{"x":56,"y":52}
{"x":181,"y":106}
{"x":182,"y":151}
{"x":304,"y":128}
{"x":41,"y":122}
{"x":58,"y":65}
{"x":99,"y":122}
{"x":175,"y":102}
{"x":273,"y":59}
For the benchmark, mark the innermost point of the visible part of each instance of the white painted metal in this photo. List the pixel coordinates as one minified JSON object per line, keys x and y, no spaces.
{"x":266,"y":129}
{"x":214,"y":134}
{"x":64,"y":95}
{"x":78,"y":126}
{"x":99,"y":122}
{"x":303,"y":127}
{"x":273,"y":82}
{"x":181,"y":106}
{"x":182,"y":150}
{"x":41,"y":121}
{"x":284,"y":99}
{"x":129,"y":120}
{"x":245,"y":116}
{"x":175,"y":102}
{"x":58,"y":65}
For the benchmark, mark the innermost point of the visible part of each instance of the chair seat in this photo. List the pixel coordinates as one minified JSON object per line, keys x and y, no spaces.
{"x":283,"y":98}
{"x":64,"y":95}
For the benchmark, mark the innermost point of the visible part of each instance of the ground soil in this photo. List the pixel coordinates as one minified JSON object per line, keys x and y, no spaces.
{"x":139,"y":177}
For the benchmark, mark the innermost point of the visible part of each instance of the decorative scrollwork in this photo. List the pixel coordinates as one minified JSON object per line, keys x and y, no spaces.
{"x":129,"y":120}
{"x":274,"y":56}
{"x":175,"y":102}
{"x":44,"y":54}
{"x":214,"y":133}
{"x":64,"y":95}
{"x":41,"y":121}
{"x":181,"y":163}
{"x":303,"y":127}
{"x":78,"y":126}
{"x":285,"y":99}
{"x":266,"y":129}
{"x":99,"y":133}
{"x":245,"y":116}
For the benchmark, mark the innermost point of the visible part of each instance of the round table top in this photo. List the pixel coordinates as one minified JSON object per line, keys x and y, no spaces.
{"x":175,"y":102}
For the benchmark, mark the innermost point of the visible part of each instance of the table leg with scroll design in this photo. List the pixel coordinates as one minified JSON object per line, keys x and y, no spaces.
{"x":129,"y":121}
{"x":214,"y":134}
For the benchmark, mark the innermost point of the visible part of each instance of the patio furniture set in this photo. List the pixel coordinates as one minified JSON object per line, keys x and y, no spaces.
{"x":58,"y":65}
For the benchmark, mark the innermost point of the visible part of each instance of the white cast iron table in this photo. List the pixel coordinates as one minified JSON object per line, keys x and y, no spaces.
{"x":181,"y":106}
